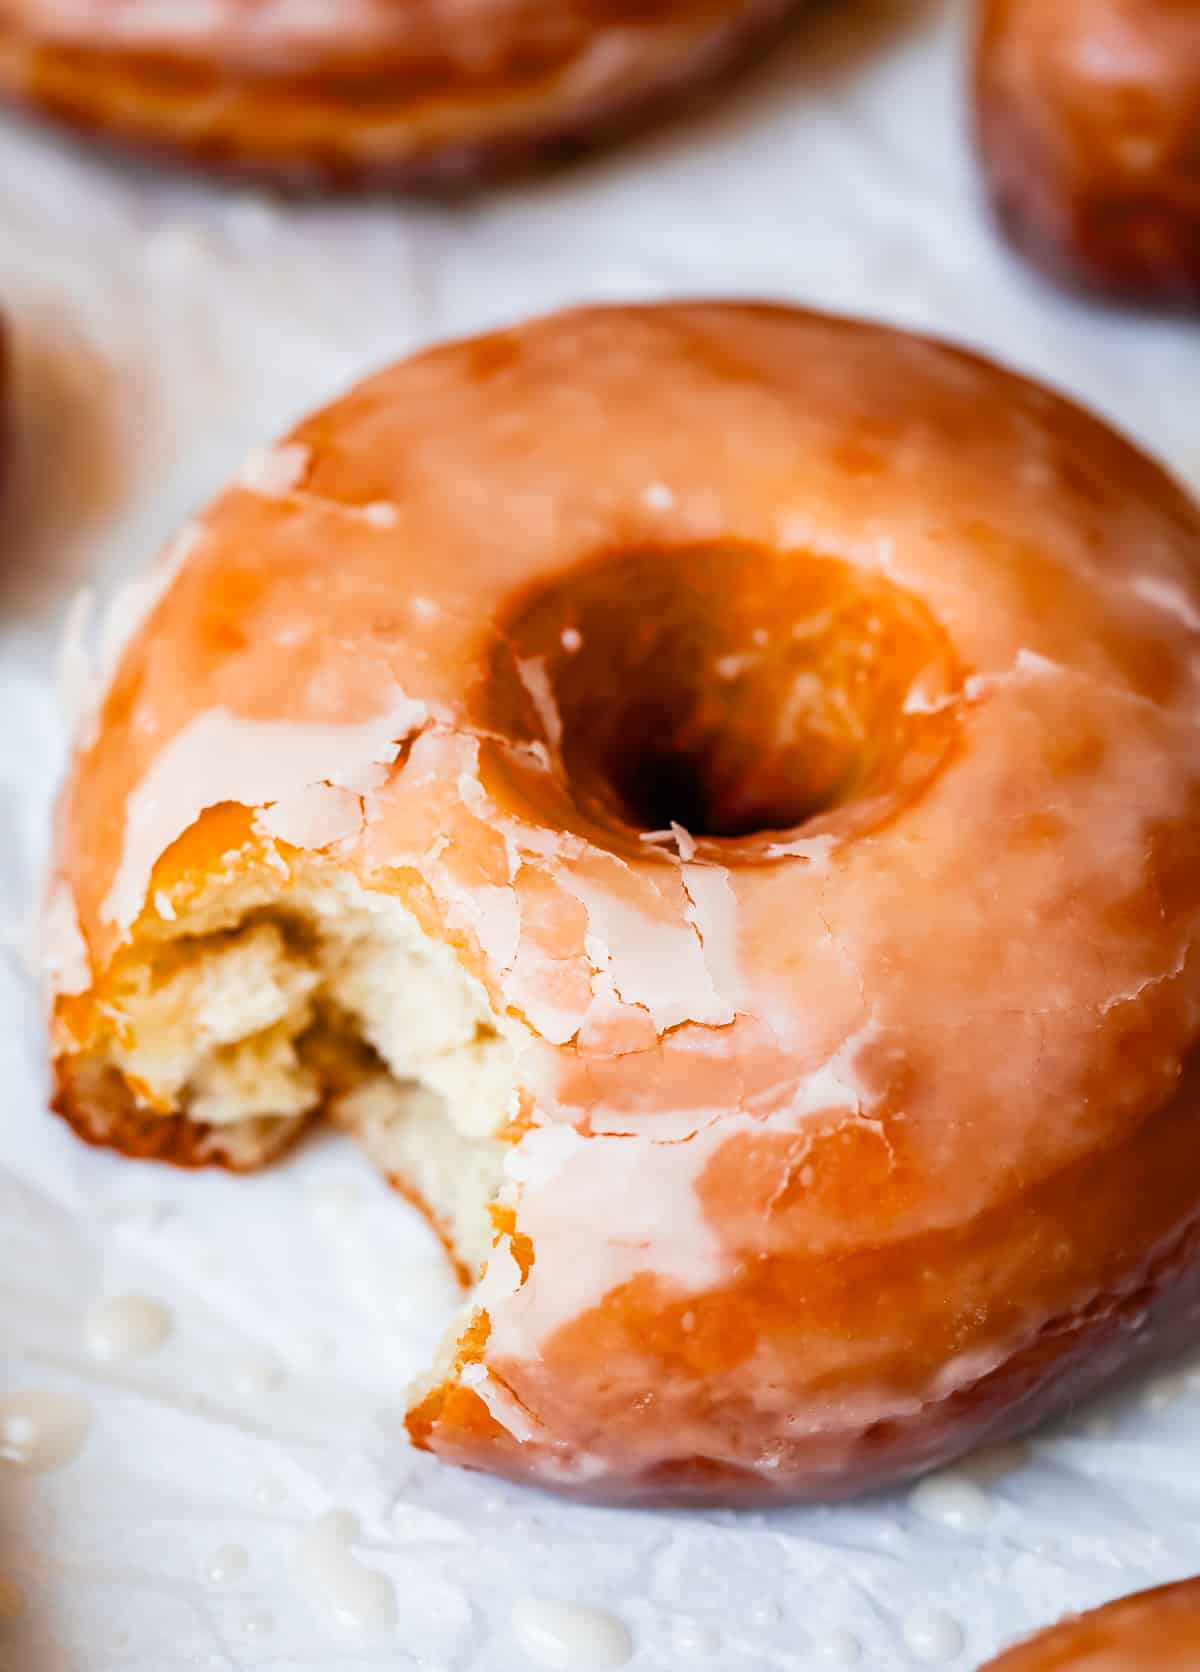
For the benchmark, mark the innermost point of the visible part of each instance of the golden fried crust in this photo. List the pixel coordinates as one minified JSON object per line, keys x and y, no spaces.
{"x":1155,"y":1631}
{"x":1088,"y":115}
{"x":401,"y":93}
{"x":792,"y":725}
{"x":101,"y":1109}
{"x":691,"y":1364}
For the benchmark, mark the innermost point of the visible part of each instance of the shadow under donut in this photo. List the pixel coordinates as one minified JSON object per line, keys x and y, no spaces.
{"x":65,"y":468}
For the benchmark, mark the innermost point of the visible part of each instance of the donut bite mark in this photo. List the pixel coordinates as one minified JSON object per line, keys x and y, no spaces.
{"x":1088,"y":123}
{"x":424,"y":94}
{"x":709,"y":796}
{"x":1155,"y":1631}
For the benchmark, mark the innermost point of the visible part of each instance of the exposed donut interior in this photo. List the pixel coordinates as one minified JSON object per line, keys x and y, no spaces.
{"x":266,"y":1004}
{"x":720,"y":695}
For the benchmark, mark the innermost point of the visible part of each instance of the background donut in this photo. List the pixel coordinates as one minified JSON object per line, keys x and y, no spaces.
{"x":767,"y":745}
{"x":1088,"y":117}
{"x":387,"y":92}
{"x":5,"y":400}
{"x":1155,"y":1631}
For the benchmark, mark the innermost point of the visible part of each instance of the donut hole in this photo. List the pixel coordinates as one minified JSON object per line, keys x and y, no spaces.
{"x":706,"y":785}
{"x":735,"y":692}
{"x":661,"y":788}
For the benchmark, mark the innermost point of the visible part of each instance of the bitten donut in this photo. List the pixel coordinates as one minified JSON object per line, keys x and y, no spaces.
{"x":710,"y":796}
{"x":387,"y":92}
{"x":1088,"y":117}
{"x":1156,"y":1631}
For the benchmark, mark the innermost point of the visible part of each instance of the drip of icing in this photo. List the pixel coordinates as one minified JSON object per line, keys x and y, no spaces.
{"x":228,"y":1564}
{"x":954,"y":1500}
{"x":127,"y":1326}
{"x":839,"y":1648}
{"x":568,"y":1637}
{"x":933,"y":1637}
{"x":354,"y":1597}
{"x":12,"y":1602}
{"x":42,"y":1431}
{"x":991,"y":1463}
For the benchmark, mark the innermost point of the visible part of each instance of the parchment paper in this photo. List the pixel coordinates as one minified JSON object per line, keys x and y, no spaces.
{"x":162,"y":329}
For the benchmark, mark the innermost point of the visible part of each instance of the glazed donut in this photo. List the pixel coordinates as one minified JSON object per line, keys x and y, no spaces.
{"x":710,"y":796}
{"x":1156,"y":1631}
{"x":388,"y":92}
{"x":1088,"y":117}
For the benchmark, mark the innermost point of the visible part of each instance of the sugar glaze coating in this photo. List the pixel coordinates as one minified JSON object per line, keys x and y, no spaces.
{"x":1088,"y":115}
{"x":1155,"y":1631}
{"x":409,"y":93}
{"x":792,"y":727}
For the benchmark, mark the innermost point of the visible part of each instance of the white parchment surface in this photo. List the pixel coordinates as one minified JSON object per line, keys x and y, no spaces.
{"x":161,"y":329}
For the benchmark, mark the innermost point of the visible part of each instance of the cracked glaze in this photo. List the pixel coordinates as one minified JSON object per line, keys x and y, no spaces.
{"x":1155,"y":1631}
{"x":881,"y":1125}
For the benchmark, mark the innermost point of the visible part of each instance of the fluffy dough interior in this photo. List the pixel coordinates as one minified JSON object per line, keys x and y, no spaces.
{"x":263,"y":1005}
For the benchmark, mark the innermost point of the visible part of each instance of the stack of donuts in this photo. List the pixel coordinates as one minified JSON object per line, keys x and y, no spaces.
{"x":707,"y":795}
